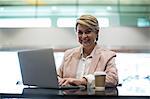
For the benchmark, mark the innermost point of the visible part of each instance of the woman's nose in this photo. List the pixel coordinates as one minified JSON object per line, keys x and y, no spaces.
{"x":84,"y":35}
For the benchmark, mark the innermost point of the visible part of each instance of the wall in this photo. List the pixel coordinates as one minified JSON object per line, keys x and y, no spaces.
{"x":66,"y":38}
{"x":125,"y":36}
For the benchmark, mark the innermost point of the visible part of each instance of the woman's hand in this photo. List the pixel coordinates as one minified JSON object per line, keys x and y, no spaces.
{"x":72,"y":81}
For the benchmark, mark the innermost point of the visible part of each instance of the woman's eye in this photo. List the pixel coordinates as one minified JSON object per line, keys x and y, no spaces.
{"x":87,"y":32}
{"x":80,"y":33}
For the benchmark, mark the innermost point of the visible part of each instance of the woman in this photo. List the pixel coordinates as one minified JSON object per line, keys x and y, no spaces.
{"x":79,"y":64}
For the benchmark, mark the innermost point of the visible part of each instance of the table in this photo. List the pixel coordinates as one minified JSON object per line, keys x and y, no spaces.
{"x":113,"y":93}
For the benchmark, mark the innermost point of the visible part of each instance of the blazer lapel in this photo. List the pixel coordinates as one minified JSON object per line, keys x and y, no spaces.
{"x":94,"y":63}
{"x":73,"y":67}
{"x":74,"y":63}
{"x":95,"y":60}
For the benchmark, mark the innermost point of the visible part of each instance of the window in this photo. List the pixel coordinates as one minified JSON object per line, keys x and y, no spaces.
{"x":25,"y":22}
{"x":70,"y":22}
{"x":143,"y":22}
{"x":66,"y":22}
{"x":131,"y":67}
{"x":10,"y":72}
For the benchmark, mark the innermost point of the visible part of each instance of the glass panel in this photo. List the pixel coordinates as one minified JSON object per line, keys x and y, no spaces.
{"x":58,"y":58}
{"x":9,"y":69}
{"x":66,"y":22}
{"x":133,"y":66}
{"x":103,"y":22}
{"x":17,"y":11}
{"x":36,"y":2}
{"x":24,"y":2}
{"x":119,"y":12}
{"x":112,"y":2}
{"x":25,"y":22}
{"x":10,"y":72}
{"x":133,"y":2}
{"x":56,"y":11}
{"x":143,"y":22}
{"x":70,"y":22}
{"x":134,"y":9}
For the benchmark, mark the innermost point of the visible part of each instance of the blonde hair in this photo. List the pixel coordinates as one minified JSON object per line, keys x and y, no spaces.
{"x":88,"y":20}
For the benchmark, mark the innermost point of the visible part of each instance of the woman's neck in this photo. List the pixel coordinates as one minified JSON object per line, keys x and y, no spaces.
{"x":87,"y":50}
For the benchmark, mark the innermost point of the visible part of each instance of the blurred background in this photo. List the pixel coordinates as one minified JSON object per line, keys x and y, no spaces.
{"x":124,"y":23}
{"x":124,"y":28}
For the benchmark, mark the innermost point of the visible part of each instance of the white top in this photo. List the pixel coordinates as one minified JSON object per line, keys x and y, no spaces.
{"x":84,"y":66}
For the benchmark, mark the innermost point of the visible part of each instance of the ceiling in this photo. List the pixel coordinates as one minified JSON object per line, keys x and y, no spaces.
{"x":119,"y":12}
{"x":48,"y":2}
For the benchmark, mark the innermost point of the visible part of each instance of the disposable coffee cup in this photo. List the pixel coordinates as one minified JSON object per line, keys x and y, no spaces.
{"x":100,"y":81}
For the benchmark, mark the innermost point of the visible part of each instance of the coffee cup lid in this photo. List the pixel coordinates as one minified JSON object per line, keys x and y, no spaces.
{"x":99,"y":73}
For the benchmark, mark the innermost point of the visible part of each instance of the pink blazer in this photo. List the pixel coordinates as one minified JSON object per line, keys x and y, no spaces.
{"x":103,"y":60}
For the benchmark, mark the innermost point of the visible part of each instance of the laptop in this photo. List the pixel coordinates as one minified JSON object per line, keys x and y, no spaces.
{"x":38,"y":69}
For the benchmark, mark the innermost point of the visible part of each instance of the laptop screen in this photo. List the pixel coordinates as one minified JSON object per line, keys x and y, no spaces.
{"x":38,"y":68}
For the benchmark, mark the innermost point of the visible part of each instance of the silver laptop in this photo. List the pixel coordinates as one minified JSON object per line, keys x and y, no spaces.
{"x":38,"y":69}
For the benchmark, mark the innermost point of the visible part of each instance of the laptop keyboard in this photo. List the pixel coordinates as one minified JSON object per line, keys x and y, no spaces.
{"x":72,"y":87}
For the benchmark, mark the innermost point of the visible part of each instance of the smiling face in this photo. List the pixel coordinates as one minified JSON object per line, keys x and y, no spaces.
{"x":86,"y":36}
